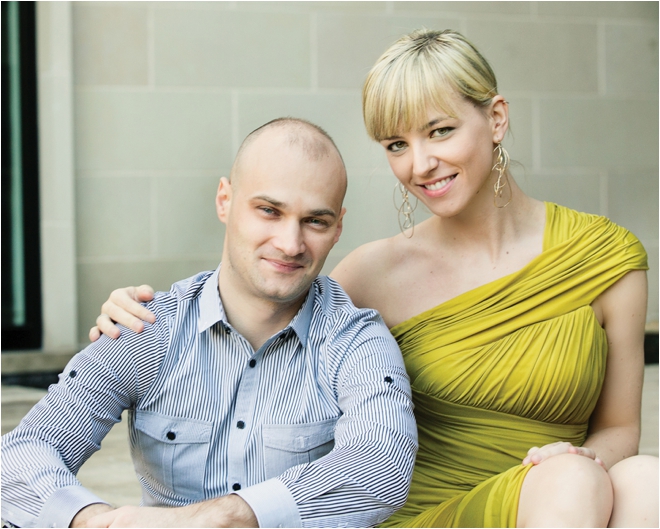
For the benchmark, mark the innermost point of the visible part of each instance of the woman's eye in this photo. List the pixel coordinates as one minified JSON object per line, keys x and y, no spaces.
{"x":443,"y":131}
{"x":396,"y":146}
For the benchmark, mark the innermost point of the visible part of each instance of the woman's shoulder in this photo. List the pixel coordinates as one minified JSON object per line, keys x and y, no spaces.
{"x":568,"y":226}
{"x":565,"y":223}
{"x":363,"y":272}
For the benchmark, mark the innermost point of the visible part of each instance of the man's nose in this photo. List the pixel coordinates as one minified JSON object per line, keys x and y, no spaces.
{"x":289,"y":239}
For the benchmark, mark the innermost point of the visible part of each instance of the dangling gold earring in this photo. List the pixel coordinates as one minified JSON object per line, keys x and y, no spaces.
{"x":501,"y":165}
{"x":405,"y":210}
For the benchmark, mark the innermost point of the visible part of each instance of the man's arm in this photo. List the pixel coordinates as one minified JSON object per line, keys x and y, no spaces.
{"x":82,"y":519}
{"x":359,"y":483}
{"x":366,"y":476}
{"x":226,"y":511}
{"x":43,"y":454}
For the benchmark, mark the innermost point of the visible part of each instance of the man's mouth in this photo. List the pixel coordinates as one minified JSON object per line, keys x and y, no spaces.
{"x":284,"y":266}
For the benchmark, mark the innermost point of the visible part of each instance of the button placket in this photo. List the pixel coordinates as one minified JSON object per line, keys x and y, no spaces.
{"x":242,"y":420}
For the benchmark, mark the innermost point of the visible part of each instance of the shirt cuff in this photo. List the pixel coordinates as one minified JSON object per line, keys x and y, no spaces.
{"x":61,"y":507}
{"x":272,"y":503}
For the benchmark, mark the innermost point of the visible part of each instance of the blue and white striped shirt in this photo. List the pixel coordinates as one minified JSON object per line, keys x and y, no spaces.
{"x":315,"y":428}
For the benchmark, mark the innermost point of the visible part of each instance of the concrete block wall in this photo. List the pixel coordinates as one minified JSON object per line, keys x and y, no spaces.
{"x":165,"y":91}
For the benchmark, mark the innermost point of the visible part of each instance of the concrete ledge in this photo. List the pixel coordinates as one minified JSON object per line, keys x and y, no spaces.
{"x":33,"y":361}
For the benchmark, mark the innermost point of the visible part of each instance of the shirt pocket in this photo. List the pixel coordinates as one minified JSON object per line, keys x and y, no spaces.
{"x":173,"y":452}
{"x":288,"y":445}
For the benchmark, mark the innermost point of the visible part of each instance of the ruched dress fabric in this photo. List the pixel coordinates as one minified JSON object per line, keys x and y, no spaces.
{"x":512,"y":364}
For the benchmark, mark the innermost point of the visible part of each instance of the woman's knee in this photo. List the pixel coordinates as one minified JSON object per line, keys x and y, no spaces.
{"x":572,"y":472}
{"x":567,"y":490}
{"x":635,"y":484}
{"x":629,"y":471}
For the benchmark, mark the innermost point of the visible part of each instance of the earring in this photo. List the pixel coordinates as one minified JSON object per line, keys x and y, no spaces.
{"x":405,"y":210}
{"x":501,"y":165}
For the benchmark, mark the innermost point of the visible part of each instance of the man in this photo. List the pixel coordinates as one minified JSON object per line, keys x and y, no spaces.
{"x":259,"y":396}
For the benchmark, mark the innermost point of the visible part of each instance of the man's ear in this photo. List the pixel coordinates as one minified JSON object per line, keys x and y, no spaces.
{"x":499,"y":115}
{"x":223,"y":199}
{"x":340,"y":225}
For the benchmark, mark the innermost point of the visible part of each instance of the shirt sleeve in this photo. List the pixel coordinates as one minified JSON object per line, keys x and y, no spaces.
{"x":41,"y":457}
{"x":366,"y":476}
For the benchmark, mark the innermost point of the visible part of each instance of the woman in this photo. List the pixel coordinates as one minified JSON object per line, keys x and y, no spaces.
{"x":521,"y":322}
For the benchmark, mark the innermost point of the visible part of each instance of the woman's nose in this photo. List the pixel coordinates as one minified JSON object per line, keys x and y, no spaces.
{"x":424,"y":161}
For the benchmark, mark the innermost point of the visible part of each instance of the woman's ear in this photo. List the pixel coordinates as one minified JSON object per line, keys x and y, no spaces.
{"x":223,"y":199}
{"x":499,"y":115}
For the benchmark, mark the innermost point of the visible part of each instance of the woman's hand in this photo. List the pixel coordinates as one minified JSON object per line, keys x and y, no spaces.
{"x":536,"y":455}
{"x":123,"y":306}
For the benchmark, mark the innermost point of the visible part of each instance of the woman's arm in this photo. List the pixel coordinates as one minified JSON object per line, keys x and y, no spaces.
{"x":614,"y":427}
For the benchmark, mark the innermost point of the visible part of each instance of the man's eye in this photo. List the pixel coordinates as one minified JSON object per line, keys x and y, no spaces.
{"x":268,"y":211}
{"x":317,"y":223}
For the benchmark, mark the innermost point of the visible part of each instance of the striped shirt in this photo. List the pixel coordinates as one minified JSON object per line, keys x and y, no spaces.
{"x":315,"y":428}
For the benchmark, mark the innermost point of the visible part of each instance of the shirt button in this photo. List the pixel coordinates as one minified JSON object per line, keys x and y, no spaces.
{"x":171,"y":436}
{"x":240,"y":425}
{"x":253,"y":363}
{"x":236,"y":486}
{"x":388,"y":380}
{"x":72,"y":373}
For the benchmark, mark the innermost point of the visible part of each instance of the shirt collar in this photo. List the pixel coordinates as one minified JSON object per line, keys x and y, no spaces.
{"x":211,"y":310}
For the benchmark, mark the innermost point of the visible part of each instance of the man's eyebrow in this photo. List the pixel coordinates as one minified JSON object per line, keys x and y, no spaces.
{"x":273,"y":201}
{"x":323,"y":213}
{"x":279,"y":204}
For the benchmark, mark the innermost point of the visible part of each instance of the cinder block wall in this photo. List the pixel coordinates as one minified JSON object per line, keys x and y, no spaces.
{"x":165,"y":91}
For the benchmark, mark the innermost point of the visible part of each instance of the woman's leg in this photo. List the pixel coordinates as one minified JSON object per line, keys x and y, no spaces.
{"x":567,"y":490}
{"x":635,"y":484}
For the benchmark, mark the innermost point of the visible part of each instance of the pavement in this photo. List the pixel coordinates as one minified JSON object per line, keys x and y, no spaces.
{"x":109,"y":472}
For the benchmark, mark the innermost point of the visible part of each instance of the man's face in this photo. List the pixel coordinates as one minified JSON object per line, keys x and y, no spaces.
{"x":283,"y":215}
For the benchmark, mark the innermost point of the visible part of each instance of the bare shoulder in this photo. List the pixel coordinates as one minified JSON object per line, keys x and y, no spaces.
{"x":363,"y":272}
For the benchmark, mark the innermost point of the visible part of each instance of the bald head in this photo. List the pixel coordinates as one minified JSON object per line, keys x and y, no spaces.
{"x":314,"y":143}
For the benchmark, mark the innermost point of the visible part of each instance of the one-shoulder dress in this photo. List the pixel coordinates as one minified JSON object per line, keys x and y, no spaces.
{"x":512,"y":364}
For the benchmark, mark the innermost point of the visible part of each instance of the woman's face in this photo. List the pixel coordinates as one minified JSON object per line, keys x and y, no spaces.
{"x":447,"y":162}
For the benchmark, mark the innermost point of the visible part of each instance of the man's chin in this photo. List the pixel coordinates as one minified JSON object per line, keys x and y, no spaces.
{"x":289,"y":293}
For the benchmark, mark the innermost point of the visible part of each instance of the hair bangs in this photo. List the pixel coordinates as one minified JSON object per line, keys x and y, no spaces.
{"x":399,"y":99}
{"x":421,"y":72}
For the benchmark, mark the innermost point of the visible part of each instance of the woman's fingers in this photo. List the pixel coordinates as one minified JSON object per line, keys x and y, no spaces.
{"x":123,"y":307}
{"x":537,"y":455}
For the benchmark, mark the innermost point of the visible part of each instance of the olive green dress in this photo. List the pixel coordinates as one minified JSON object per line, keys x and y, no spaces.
{"x":515,"y":363}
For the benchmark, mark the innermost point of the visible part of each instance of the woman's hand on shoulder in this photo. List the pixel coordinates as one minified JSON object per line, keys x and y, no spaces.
{"x":123,"y":306}
{"x":536,"y":455}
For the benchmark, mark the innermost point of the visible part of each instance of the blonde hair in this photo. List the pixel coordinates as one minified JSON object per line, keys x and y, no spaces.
{"x":424,"y":69}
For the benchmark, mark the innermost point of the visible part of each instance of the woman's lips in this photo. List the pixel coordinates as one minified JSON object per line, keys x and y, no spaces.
{"x":438,"y":187}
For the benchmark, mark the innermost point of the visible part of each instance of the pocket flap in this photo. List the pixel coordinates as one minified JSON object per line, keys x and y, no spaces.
{"x":298,"y":437}
{"x":173,"y":430}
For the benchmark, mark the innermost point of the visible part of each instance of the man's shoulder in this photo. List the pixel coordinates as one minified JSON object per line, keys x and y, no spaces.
{"x":333,"y":305}
{"x":180,"y":292}
{"x":331,"y":297}
{"x":348,"y":336}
